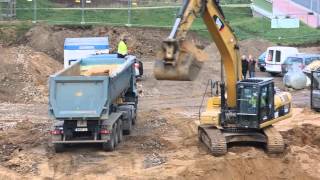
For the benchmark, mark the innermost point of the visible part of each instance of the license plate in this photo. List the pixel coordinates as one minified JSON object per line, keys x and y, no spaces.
{"x":81,"y":129}
{"x":82,"y":123}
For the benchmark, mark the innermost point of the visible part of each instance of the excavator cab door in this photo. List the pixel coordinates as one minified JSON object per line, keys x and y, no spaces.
{"x":255,"y":102}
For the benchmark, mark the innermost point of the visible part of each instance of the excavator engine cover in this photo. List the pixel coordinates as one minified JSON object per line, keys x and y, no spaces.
{"x":180,"y":61}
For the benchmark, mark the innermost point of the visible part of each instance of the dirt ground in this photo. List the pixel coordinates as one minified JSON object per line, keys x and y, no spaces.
{"x":142,"y":43}
{"x":24,"y":74}
{"x":164,"y":142}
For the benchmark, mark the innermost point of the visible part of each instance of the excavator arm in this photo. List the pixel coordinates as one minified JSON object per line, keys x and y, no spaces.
{"x":180,"y":59}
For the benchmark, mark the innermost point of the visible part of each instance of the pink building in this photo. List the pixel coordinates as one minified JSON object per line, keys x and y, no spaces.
{"x":306,"y":10}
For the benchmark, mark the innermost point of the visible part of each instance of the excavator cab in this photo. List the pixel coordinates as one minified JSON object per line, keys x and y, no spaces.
{"x":255,"y":102}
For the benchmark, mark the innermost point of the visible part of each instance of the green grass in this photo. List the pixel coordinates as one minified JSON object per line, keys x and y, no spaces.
{"x":40,"y":4}
{"x":10,"y":33}
{"x":235,"y":1}
{"x":261,"y":28}
{"x":263,"y":4}
{"x":240,"y":20}
{"x":246,"y":27}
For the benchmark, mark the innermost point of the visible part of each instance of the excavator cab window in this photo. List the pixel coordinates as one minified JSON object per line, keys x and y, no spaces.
{"x":266,"y":102}
{"x":248,"y":100}
{"x":254,"y":102}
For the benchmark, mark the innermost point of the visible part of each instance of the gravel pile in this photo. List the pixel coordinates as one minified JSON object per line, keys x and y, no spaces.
{"x":24,"y":74}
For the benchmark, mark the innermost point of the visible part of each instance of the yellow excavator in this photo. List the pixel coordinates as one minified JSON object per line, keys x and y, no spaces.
{"x":241,"y":110}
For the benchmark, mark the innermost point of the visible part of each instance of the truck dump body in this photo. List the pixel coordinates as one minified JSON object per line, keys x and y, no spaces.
{"x":75,"y":94}
{"x":93,"y":101}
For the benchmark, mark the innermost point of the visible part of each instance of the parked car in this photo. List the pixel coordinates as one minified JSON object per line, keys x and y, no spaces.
{"x":301,"y":60}
{"x":261,"y":62}
{"x":276,"y":56}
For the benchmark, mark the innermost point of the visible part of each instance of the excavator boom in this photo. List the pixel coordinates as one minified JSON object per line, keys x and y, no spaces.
{"x":180,"y":59}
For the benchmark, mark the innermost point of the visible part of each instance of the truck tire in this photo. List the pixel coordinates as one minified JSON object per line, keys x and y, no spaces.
{"x":262,"y":69}
{"x":115,"y":132}
{"x":140,"y":68}
{"x":120,"y":131}
{"x":110,"y":145}
{"x":134,"y":120}
{"x":128,"y":131}
{"x":58,"y":148}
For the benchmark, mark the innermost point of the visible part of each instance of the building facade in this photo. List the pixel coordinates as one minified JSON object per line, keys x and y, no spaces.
{"x":308,"y":11}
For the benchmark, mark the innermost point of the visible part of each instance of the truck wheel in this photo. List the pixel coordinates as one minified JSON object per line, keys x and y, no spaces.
{"x":120,"y":131}
{"x":110,"y":145}
{"x":58,"y":148}
{"x":128,"y":131}
{"x":262,"y":69}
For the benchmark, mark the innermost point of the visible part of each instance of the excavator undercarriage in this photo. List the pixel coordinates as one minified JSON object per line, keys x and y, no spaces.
{"x":217,"y":140}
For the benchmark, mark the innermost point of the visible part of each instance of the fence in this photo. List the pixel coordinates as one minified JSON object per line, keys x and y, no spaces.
{"x":111,"y":12}
{"x":152,"y":13}
{"x":114,"y":12}
{"x":7,"y":9}
{"x":313,"y":5}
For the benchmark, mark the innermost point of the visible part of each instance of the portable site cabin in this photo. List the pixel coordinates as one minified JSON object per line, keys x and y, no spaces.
{"x":78,"y":48}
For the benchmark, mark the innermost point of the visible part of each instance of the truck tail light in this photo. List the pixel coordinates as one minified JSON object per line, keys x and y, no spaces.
{"x":105,"y":131}
{"x":57,"y":132}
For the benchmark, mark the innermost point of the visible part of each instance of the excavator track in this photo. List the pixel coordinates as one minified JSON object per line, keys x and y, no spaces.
{"x":275,"y":143}
{"x":213,"y":139}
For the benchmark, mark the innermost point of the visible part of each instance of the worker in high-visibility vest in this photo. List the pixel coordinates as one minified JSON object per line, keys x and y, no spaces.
{"x":122,"y":48}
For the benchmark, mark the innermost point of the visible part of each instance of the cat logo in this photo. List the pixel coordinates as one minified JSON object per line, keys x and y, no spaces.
{"x":78,"y":94}
{"x":218,"y":23}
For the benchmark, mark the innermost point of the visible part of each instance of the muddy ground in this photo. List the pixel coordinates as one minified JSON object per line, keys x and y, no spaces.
{"x":164,"y":142}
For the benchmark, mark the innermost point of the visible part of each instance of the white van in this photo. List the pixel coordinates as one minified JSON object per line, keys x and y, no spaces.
{"x":276,"y":56}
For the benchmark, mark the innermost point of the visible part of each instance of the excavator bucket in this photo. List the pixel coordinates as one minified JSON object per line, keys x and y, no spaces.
{"x":179,"y":61}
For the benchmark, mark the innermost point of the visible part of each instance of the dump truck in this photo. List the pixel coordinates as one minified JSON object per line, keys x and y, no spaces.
{"x":93,"y":101}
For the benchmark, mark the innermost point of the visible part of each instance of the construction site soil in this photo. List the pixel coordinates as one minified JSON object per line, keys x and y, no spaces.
{"x":164,"y":142}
